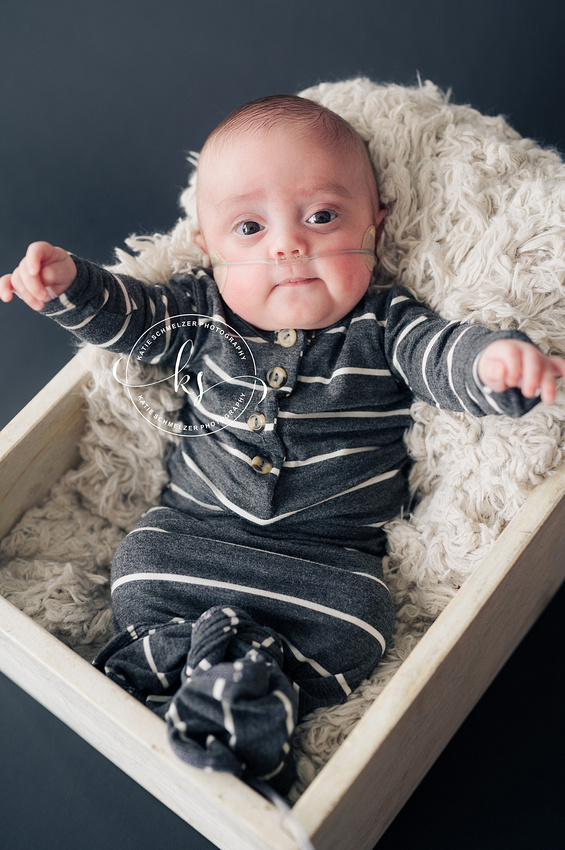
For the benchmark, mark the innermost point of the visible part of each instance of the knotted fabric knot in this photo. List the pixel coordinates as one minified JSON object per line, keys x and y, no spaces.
{"x":235,"y":710}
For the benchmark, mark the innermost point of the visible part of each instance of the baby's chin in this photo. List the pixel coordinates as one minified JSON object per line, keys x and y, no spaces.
{"x":303,"y":305}
{"x":307,"y":318}
{"x":297,"y":322}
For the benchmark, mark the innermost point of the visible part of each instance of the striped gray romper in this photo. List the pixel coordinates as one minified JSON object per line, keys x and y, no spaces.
{"x":253,"y":593}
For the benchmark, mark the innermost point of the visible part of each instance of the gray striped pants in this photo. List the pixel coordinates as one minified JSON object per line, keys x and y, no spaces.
{"x":233,"y":636}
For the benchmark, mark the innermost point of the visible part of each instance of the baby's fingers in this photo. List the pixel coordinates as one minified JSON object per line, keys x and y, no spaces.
{"x":500,"y":366}
{"x":535,"y":371}
{"x":6,"y":290}
{"x":41,"y":254}
{"x":541,"y":377}
{"x":34,"y":266}
{"x":555,"y":369}
{"x":26,"y":281}
{"x":26,"y":289}
{"x":514,"y":363}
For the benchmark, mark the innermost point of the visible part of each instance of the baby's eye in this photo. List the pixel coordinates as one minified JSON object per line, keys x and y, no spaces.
{"x":248,"y":228}
{"x":322,"y":217}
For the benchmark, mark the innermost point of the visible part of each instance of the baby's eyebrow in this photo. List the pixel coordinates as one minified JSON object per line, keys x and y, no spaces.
{"x":330,"y":188}
{"x":237,"y":200}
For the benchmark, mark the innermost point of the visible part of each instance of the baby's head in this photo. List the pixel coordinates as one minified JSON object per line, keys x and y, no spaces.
{"x":281,"y":179}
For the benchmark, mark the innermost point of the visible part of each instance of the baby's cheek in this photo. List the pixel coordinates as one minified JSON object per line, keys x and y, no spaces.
{"x":242,"y":294}
{"x":220,"y":270}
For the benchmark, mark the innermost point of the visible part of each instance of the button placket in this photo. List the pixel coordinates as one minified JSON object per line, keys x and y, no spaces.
{"x":276,"y":376}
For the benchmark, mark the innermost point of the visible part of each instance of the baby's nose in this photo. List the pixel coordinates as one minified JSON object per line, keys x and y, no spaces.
{"x":283,"y":256}
{"x":289,"y":243}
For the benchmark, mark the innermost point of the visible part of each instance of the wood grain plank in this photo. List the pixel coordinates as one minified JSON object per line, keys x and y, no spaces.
{"x":40,"y":443}
{"x":218,"y":805}
{"x":366,"y":783}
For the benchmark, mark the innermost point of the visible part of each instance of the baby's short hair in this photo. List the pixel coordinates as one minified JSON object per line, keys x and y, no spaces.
{"x":268,"y":112}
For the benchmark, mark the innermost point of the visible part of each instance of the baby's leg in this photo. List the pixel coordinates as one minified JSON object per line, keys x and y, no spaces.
{"x":216,"y":676}
{"x":328,"y":603}
{"x":329,"y":606}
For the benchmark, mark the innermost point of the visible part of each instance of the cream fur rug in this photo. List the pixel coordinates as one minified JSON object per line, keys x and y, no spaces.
{"x":476,"y":228}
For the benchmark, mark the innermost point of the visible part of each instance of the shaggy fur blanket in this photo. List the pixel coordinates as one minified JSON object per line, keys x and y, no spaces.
{"x":476,"y":228}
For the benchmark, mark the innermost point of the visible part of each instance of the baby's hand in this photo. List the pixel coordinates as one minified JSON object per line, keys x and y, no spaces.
{"x":44,"y":273}
{"x":510,"y":363}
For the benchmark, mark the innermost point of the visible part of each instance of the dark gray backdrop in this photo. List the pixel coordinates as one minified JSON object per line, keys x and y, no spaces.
{"x":99,"y":105}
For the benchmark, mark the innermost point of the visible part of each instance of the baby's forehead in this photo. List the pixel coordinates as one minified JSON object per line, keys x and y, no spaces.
{"x":221,"y":144}
{"x":220,"y":149}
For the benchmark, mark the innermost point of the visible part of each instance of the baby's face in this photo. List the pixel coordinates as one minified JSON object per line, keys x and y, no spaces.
{"x":279,"y":195}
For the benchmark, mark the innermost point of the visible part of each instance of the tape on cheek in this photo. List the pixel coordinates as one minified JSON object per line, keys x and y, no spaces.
{"x":368,"y":244}
{"x":220,"y":269}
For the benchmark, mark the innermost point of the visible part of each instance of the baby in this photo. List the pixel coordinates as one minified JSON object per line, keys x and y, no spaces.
{"x":254,"y":593}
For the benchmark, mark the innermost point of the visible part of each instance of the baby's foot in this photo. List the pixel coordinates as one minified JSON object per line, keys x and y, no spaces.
{"x":236,"y":710}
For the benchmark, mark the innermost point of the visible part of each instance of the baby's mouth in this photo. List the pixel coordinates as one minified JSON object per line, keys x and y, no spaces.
{"x":296,"y":281}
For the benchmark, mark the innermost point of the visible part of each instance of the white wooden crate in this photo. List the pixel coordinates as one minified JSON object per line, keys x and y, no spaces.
{"x":365,"y":784}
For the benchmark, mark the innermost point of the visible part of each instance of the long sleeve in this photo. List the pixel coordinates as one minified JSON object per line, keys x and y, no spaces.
{"x":114,"y":311}
{"x":437,"y":359}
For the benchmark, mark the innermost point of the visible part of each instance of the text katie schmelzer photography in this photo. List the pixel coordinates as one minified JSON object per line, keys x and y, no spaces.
{"x":215,"y":399}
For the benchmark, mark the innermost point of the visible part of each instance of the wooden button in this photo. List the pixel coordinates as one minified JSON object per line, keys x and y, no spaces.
{"x":256,"y":421}
{"x":261,"y":464}
{"x":287,"y":337}
{"x":276,"y":377}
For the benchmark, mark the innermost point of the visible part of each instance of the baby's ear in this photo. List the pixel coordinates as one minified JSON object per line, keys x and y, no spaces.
{"x":380,"y":223}
{"x":200,"y":241}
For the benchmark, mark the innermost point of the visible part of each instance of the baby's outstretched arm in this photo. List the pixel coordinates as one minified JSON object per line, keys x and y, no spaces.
{"x":44,"y":273}
{"x":508,"y":363}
